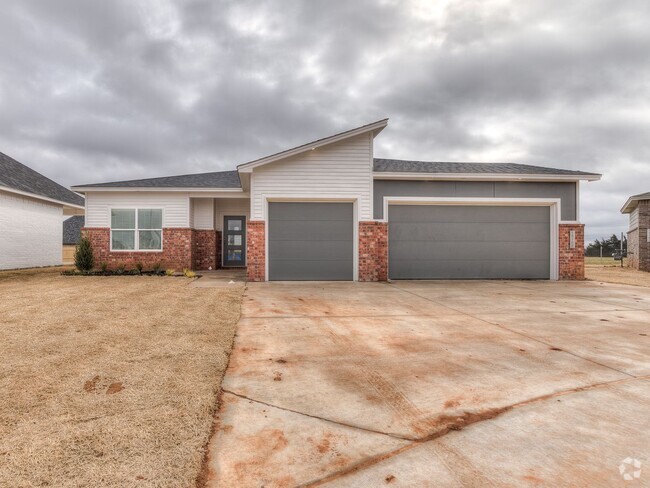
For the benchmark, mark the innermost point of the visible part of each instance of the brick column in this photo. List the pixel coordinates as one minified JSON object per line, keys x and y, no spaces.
{"x":205,"y":249}
{"x":256,"y":250}
{"x":373,"y":251}
{"x":177,"y":250}
{"x":572,"y":261}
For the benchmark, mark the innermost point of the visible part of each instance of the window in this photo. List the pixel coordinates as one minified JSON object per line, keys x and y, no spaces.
{"x":136,"y":229}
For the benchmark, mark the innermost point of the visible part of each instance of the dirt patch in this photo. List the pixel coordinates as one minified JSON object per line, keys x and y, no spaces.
{"x":112,"y":379}
{"x":614,"y":274}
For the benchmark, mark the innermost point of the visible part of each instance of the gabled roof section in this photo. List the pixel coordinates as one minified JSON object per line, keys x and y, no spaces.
{"x":72,"y":229}
{"x":454,"y":170}
{"x":374,"y":127}
{"x":633,"y":202}
{"x":216,"y":180}
{"x":22,"y":179}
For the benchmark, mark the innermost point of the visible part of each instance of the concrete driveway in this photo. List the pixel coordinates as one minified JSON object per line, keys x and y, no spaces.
{"x":436,"y":384}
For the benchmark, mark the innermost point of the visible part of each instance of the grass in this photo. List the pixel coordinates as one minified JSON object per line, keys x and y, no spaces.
{"x":109,"y":381}
{"x":604,"y":261}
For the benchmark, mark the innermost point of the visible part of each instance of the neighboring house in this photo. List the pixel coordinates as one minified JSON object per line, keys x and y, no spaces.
{"x":31,"y":211}
{"x":71,"y":237}
{"x":638,"y":235}
{"x":328,"y":210}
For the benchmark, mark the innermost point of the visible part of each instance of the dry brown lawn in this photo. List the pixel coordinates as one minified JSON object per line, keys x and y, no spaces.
{"x":616,"y":274}
{"x":109,"y":381}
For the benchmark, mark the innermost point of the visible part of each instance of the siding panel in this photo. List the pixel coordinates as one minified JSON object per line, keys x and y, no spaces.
{"x":341,"y":170}
{"x":175,"y":206}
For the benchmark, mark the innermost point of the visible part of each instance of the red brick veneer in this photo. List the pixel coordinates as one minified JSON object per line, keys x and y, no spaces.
{"x":373,"y":251}
{"x":638,"y":247}
{"x":176,"y":253}
{"x":256,"y":250}
{"x":572,"y":261}
{"x":206,"y":249}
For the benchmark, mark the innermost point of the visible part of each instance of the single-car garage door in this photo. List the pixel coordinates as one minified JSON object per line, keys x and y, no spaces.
{"x":468,"y":242}
{"x":311,"y":241}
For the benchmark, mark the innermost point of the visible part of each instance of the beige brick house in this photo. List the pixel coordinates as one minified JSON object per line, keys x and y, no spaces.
{"x":638,"y":235}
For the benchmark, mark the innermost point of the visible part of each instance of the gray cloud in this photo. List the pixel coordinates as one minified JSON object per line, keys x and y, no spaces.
{"x":117,"y":90}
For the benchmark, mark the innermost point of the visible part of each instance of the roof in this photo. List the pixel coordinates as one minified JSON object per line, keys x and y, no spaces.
{"x":17,"y":176}
{"x":374,"y":127}
{"x":219,"y":179}
{"x":435,"y":167}
{"x":633,"y":202}
{"x":72,"y":229}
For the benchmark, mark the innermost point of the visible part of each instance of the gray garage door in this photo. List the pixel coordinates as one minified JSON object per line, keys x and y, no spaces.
{"x":468,"y":242}
{"x":311,"y":241}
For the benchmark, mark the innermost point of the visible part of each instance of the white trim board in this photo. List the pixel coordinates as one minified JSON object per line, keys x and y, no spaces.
{"x":554,"y":205}
{"x":381,"y":175}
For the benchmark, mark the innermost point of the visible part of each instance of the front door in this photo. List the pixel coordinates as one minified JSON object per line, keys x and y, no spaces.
{"x":234,"y":241}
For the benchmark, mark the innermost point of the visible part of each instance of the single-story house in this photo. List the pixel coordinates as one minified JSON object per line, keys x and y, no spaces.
{"x":71,"y":236}
{"x":638,"y":235}
{"x":31,"y":212}
{"x":329,"y":210}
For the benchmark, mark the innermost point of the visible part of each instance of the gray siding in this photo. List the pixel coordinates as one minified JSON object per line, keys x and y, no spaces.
{"x":468,"y":242}
{"x":311,"y":241}
{"x":498,"y":189}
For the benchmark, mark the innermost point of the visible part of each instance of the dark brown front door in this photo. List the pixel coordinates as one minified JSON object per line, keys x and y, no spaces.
{"x":234,"y":241}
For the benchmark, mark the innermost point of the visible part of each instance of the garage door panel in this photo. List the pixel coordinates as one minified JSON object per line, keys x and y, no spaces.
{"x":321,"y":250}
{"x":455,"y":232}
{"x":468,"y":242}
{"x":471,"y":250}
{"x":310,"y":270}
{"x":417,"y":269}
{"x":311,"y":241}
{"x":311,"y":230}
{"x":467,"y":213}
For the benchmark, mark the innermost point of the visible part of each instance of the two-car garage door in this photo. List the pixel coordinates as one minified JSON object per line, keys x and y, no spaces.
{"x":468,"y":242}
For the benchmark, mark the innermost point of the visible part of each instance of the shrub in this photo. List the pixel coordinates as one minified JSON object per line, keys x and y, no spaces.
{"x":138,"y":268}
{"x":170,"y":272}
{"x":83,"y":255}
{"x":120,"y":269}
{"x":104,"y":267}
{"x":189,"y":273}
{"x":157,"y":268}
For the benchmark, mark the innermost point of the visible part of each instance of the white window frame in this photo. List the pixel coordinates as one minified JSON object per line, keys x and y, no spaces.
{"x":137,"y":229}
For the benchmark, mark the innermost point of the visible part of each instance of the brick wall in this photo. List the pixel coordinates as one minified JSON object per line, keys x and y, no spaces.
{"x":373,"y":251}
{"x":255,"y":251}
{"x":572,"y":261}
{"x":637,"y":241}
{"x":207,"y":249}
{"x":176,"y":253}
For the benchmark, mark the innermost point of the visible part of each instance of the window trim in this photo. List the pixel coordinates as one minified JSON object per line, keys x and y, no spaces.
{"x":137,"y":230}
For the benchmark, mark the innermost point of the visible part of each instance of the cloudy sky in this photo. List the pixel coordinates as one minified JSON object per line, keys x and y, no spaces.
{"x":99,"y":91}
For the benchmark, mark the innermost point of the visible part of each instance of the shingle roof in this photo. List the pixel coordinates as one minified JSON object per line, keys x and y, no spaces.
{"x":220,"y":179}
{"x":19,"y":177}
{"x":72,"y":229}
{"x":401,"y":166}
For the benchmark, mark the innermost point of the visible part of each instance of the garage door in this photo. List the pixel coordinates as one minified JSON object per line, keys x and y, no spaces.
{"x":311,"y":241}
{"x":468,"y":242}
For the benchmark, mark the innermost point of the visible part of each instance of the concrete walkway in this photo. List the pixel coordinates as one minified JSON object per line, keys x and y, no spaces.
{"x":436,"y":384}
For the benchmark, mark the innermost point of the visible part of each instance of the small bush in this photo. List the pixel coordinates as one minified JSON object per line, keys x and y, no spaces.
{"x":103,"y":267}
{"x":120,"y":269}
{"x":170,"y":272}
{"x":157,"y":268}
{"x":189,"y":273}
{"x":138,"y":267}
{"x":83,"y":255}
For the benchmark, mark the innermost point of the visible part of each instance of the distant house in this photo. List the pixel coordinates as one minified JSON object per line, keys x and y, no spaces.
{"x":638,"y":235}
{"x":329,"y":210}
{"x":71,"y":237}
{"x":31,"y":212}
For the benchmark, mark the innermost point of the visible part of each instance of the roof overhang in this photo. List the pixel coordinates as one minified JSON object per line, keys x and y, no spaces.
{"x":375,"y":128}
{"x":404,"y":175}
{"x":157,"y":189}
{"x":632,"y":203}
{"x":41,"y":197}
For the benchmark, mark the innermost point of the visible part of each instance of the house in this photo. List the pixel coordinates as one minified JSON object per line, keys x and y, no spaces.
{"x":71,"y":237}
{"x":329,"y":210}
{"x":31,"y":211}
{"x":638,"y":235}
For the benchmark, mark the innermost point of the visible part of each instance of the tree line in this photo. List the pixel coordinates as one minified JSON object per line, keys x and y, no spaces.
{"x":608,"y":246}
